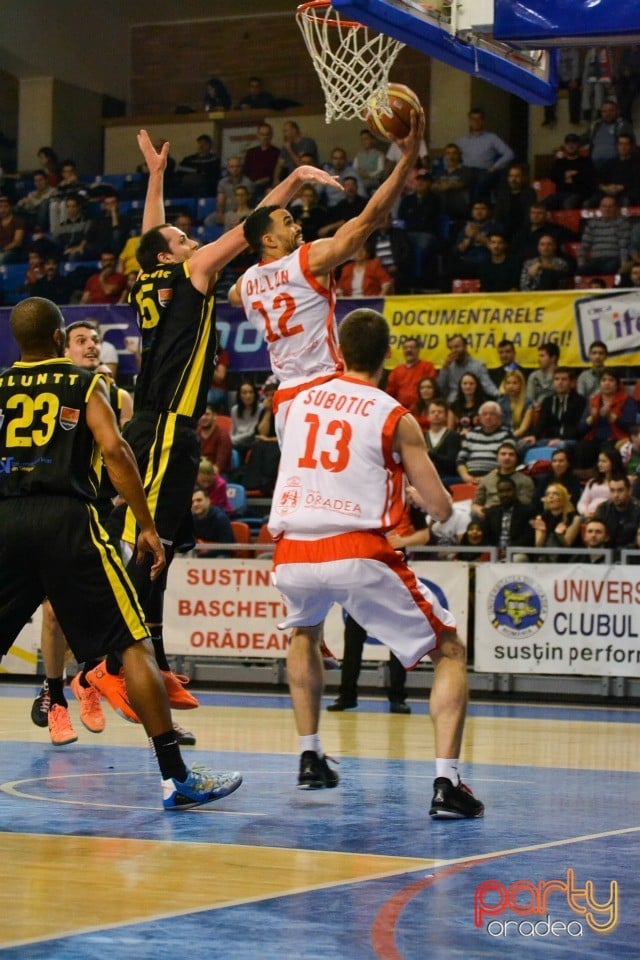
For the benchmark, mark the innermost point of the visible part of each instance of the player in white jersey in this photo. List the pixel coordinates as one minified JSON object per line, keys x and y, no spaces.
{"x":346,"y":447}
{"x":289,"y":296}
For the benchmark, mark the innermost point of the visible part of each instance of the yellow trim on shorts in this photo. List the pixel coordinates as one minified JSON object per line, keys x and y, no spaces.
{"x":123,"y":590}
{"x":162,"y":443}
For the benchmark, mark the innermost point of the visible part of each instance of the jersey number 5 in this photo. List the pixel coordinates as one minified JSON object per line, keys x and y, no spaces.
{"x":338,"y":435}
{"x":283,"y":302}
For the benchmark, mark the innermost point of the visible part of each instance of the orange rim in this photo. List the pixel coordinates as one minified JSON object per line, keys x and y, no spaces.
{"x":308,"y":11}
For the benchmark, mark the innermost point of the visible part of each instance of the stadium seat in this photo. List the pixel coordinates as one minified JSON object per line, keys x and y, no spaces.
{"x":463,"y":491}
{"x":567,"y":218}
{"x":465,"y":286}
{"x":539,"y":453}
{"x":13,"y":277}
{"x":208,"y":234}
{"x":242,"y":534}
{"x":543,"y":188}
{"x":205,"y":206}
{"x":237,"y":496}
{"x":584,"y":282}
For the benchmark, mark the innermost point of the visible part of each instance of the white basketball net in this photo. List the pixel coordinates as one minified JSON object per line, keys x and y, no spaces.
{"x":352,"y":61}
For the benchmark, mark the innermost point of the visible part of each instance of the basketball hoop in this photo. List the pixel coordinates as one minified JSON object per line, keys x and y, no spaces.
{"x":352,"y":61}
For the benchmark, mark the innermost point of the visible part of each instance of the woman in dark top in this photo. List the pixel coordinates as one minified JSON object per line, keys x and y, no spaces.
{"x":559,"y":524}
{"x":465,"y":407}
{"x":561,"y":472}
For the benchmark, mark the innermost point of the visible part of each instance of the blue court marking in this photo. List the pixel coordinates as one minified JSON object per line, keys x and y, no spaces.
{"x":367,"y":704}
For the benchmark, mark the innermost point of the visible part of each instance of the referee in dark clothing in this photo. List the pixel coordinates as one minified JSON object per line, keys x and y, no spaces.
{"x":55,"y":420}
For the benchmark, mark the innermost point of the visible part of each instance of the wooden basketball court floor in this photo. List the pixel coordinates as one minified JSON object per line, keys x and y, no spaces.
{"x":92,"y":867}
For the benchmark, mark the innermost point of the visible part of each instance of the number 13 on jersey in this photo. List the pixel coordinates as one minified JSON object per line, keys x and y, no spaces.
{"x":329,"y":451}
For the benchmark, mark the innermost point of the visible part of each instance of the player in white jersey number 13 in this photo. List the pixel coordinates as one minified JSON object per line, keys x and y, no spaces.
{"x":340,"y":489}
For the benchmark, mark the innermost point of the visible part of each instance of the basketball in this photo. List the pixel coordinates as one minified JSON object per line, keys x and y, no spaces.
{"x":402,"y":100}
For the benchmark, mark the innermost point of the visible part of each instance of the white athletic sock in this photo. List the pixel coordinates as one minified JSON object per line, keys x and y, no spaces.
{"x":312,"y":742}
{"x":448,"y":768}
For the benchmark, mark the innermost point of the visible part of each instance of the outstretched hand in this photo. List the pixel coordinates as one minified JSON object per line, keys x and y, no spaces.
{"x":410,"y":145}
{"x":309,"y":174}
{"x":156,"y":160}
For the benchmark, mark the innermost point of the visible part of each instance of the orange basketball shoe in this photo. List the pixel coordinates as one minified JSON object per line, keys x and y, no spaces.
{"x":91,"y":713}
{"x":179,"y":698}
{"x":114,"y":691}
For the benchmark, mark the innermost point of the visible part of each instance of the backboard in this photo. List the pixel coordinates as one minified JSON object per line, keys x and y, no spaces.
{"x":563,"y":23}
{"x":460,"y":33}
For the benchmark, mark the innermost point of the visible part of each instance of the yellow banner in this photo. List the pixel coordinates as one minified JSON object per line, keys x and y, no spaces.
{"x":571,"y":318}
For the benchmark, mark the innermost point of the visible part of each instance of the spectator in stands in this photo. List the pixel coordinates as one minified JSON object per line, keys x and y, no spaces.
{"x":628,"y":79}
{"x":631,"y":278}
{"x":507,"y":523}
{"x":309,"y":213}
{"x":241,"y":208}
{"x":524,"y":245}
{"x":573,"y":174}
{"x":368,"y":162}
{"x":35,"y":205}
{"x":561,"y":472}
{"x":12,"y":234}
{"x":560,"y":413}
{"x":71,"y":232}
{"x":215,"y":441}
{"x":479,"y":451}
{"x":474,"y":536}
{"x":428,"y":390}
{"x":513,"y":200}
{"x":604,"y":134}
{"x":596,"y":490}
{"x":216,"y":95}
{"x":293,"y":149}
{"x":607,"y":418}
{"x":217,"y":396}
{"x":507,"y":354}
{"x":244,"y":418}
{"x":351,"y":205}
{"x":364,"y":276}
{"x":457,"y":363}
{"x":338,"y":166}
{"x":261,"y":470}
{"x":517,"y":410}
{"x":256,"y":97}
{"x":466,"y":406}
{"x":52,"y":286}
{"x":421,"y":213}
{"x":619,"y":177}
{"x":589,"y":380}
{"x":471,"y":246}
{"x":198,"y":173}
{"x":210,"y":524}
{"x":630,"y":452}
{"x":226,"y":198}
{"x":109,"y":231}
{"x":124,"y":296}
{"x":500,"y":272}
{"x":485,"y":154}
{"x":558,"y":525}
{"x":569,"y":79}
{"x":507,"y":469}
{"x":107,"y":284}
{"x":212,"y":481}
{"x":620,"y":514}
{"x":540,"y":381}
{"x":127,"y":259}
{"x":595,"y":536}
{"x":452,"y":181}
{"x":443,"y":443}
{"x":393,"y":249}
{"x":403,"y":380}
{"x":547,"y":271}
{"x":70,"y":184}
{"x":49,"y":162}
{"x":260,"y":162}
{"x":35,"y":269}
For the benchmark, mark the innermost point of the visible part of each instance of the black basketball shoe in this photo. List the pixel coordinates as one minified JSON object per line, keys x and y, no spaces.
{"x":453,"y":803}
{"x":40,"y":707}
{"x":315,"y":772}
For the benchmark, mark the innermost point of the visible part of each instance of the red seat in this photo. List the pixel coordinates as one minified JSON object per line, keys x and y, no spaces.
{"x":568,"y":218}
{"x":242,"y":534}
{"x":543,"y":188}
{"x":465,"y":286}
{"x":463,"y":491}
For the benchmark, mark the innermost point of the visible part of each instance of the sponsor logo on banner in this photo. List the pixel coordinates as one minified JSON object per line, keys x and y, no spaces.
{"x":517,"y":608}
{"x":69,"y":418}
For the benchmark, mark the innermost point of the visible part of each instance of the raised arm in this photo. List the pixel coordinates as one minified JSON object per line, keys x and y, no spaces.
{"x":156,"y":161}
{"x":324,"y":255}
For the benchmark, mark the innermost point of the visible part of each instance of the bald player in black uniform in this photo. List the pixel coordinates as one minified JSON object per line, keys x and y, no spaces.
{"x":174,"y":300}
{"x":56,"y":429}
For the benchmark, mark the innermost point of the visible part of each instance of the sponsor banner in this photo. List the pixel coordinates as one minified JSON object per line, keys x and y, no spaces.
{"x":558,"y":619}
{"x":230,"y":608}
{"x":570,"y":318}
{"x":23,"y":655}
{"x":247,"y":349}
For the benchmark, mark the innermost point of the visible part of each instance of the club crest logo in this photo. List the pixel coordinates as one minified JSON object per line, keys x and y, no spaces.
{"x":289,"y":498}
{"x":69,"y":418}
{"x":165,"y":296}
{"x":517,"y":608}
